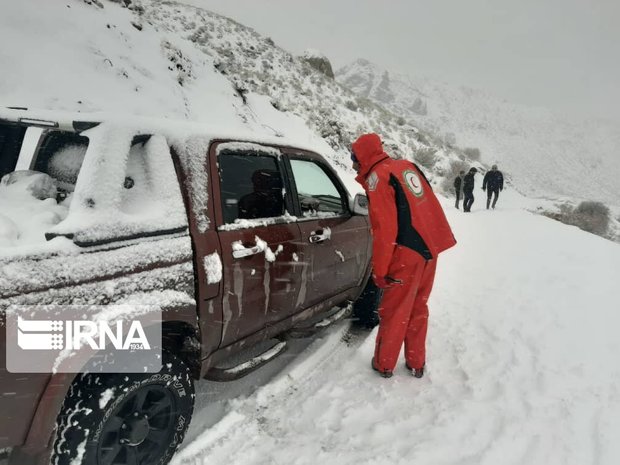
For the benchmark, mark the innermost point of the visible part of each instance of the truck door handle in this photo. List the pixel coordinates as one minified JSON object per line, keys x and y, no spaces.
{"x":316,"y":238}
{"x":246,"y":251}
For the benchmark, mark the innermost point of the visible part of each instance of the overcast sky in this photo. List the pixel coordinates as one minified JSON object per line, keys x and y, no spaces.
{"x":563,"y":54}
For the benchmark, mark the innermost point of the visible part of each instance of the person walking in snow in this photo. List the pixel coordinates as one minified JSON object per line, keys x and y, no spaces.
{"x":493,"y":183}
{"x":468,"y":190}
{"x":458,"y":181}
{"x":409,"y":231}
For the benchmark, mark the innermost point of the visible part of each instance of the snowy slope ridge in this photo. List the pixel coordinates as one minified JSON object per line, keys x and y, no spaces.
{"x":96,"y":60}
{"x":522,"y":367}
{"x":546,"y":154}
{"x":254,"y":64}
{"x":160,"y":58}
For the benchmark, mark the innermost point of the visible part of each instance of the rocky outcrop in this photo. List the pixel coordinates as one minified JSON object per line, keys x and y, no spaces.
{"x":319,"y":62}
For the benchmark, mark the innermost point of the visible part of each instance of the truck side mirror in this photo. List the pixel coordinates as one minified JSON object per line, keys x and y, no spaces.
{"x":359,"y":205}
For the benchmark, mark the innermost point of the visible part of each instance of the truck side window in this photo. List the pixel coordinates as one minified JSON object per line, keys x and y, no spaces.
{"x":317,"y":193}
{"x":251,"y":187}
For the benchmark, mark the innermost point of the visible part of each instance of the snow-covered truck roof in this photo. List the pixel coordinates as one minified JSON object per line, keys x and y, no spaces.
{"x":174,"y":130}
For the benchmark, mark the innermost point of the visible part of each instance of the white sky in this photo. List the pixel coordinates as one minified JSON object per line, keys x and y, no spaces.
{"x":563,"y":54}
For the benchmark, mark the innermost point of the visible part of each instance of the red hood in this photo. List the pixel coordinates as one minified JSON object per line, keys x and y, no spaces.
{"x":369,"y":151}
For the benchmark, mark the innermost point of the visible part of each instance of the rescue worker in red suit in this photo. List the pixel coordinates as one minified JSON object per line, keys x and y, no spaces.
{"x":409,"y":231}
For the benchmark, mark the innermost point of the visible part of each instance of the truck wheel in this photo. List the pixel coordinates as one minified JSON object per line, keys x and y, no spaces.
{"x":365,"y":308}
{"x":125,"y":419}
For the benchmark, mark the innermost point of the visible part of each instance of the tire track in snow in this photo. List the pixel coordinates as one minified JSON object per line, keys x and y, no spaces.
{"x":248,"y":416}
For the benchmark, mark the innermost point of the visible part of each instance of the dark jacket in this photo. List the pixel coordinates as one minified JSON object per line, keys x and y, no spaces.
{"x":457,"y":183}
{"x":494,"y":180}
{"x":403,"y":209}
{"x":468,"y":182}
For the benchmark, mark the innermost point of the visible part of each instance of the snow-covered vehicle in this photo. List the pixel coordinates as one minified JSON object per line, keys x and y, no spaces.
{"x":241,"y":241}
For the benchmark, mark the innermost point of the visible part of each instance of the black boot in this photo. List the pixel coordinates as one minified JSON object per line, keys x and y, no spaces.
{"x":384,"y":373}
{"x":418,"y":373}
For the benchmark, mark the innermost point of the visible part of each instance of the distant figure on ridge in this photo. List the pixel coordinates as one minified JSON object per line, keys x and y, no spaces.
{"x":468,"y":190}
{"x":458,"y":182}
{"x":493,"y":182}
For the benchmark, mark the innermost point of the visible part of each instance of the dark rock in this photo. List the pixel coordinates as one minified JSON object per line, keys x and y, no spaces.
{"x":321,"y":64}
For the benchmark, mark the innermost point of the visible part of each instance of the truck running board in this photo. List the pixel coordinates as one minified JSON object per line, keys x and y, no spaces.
{"x":246,"y":362}
{"x":324,"y":320}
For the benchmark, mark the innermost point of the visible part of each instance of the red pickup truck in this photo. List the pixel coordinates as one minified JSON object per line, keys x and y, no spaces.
{"x":237,"y":238}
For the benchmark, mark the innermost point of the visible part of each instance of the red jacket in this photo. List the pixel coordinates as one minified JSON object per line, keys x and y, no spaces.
{"x":403,"y":208}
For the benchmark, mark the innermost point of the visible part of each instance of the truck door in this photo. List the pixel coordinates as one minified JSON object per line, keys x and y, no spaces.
{"x":260,"y":242}
{"x":335,"y":243}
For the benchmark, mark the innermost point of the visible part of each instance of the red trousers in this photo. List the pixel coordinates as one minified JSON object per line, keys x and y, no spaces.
{"x":403,"y":311}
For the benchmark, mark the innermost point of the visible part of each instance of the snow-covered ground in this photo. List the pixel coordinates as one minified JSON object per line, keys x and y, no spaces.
{"x":522,"y":365}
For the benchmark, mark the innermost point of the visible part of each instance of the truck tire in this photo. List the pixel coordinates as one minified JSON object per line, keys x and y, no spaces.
{"x":365,"y":308}
{"x":125,"y":418}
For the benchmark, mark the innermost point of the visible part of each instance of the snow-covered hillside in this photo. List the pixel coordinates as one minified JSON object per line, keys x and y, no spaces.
{"x":176,"y":61}
{"x":545,"y":154}
{"x":522,"y":366}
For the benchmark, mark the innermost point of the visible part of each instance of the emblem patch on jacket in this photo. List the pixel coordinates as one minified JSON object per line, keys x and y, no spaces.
{"x":372,"y":181}
{"x":413,"y":182}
